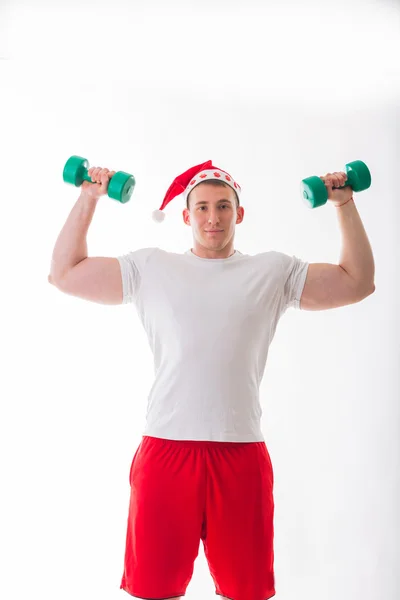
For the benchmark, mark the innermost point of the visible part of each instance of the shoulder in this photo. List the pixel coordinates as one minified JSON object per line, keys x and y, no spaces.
{"x":137,"y":258}
{"x":280,"y":260}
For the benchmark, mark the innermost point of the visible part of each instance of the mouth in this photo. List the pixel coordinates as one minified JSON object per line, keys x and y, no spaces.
{"x":215,"y":231}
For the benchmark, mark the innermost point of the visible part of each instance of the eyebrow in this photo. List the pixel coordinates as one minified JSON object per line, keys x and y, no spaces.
{"x":204,"y":202}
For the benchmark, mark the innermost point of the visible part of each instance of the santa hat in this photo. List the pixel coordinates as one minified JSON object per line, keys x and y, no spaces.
{"x":185,"y":182}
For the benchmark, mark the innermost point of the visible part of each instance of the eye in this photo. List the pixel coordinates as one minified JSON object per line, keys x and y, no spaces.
{"x":225,"y":205}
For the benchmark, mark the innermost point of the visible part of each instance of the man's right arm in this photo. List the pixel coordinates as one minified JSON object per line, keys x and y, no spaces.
{"x":97,"y":279}
{"x":71,"y":246}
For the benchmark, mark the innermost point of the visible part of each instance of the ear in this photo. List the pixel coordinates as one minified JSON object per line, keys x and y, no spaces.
{"x":186,"y":216}
{"x":240,"y":214}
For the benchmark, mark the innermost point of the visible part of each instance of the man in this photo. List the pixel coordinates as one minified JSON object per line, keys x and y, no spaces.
{"x":202,"y":470}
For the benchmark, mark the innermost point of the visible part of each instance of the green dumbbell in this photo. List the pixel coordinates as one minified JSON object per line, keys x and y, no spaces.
{"x":120,"y":186}
{"x":314,"y":190}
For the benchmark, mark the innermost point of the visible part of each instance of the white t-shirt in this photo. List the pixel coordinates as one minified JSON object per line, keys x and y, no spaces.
{"x":209,"y":323}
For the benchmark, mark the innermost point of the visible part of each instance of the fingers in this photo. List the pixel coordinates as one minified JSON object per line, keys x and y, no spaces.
{"x":96,"y":173}
{"x":334,"y":180}
{"x":100,"y":176}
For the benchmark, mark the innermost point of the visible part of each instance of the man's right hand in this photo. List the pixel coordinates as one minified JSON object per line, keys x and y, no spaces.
{"x":100,"y":178}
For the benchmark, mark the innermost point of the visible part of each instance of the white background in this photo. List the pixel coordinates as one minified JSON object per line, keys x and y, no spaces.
{"x":272,"y":93}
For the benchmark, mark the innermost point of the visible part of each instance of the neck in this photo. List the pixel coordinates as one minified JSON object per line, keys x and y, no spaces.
{"x":205,"y":252}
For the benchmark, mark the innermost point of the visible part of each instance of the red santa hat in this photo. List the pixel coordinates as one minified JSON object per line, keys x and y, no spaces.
{"x":185,"y":182}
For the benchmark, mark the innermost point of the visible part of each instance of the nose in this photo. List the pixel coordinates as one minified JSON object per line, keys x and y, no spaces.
{"x":213,"y":219}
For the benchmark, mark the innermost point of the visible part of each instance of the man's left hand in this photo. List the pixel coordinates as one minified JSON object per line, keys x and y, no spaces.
{"x":334,"y":180}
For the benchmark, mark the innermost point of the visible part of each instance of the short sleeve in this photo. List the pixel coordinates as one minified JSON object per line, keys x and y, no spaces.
{"x":133,"y":265}
{"x":295,"y":279}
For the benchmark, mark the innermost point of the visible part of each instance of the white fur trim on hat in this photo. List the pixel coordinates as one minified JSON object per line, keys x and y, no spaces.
{"x":212,"y":174}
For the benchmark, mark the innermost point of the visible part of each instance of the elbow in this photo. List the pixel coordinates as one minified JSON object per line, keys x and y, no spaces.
{"x":51,"y":280}
{"x":365,"y":292}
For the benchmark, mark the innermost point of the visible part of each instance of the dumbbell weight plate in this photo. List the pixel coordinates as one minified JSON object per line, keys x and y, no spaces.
{"x":314,"y":192}
{"x":359,"y":176}
{"x":121,"y":186}
{"x":75,"y":170}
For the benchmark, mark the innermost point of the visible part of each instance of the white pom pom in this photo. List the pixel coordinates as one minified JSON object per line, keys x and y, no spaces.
{"x":158,"y":216}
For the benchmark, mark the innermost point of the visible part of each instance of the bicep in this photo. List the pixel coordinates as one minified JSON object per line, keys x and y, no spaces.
{"x":97,"y":279}
{"x":328,"y":286}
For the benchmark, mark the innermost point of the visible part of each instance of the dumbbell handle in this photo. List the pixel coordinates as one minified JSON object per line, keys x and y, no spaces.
{"x":85,"y":175}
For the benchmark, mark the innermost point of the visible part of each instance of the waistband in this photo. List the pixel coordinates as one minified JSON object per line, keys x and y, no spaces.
{"x":198,"y":443}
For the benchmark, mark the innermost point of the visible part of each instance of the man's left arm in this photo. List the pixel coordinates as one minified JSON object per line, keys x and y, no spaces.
{"x":331,"y":286}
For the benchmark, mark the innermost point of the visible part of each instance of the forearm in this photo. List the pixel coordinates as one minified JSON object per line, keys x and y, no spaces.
{"x":356,"y":256}
{"x":71,"y":245}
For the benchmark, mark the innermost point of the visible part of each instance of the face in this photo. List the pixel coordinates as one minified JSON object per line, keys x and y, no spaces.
{"x":213,"y":215}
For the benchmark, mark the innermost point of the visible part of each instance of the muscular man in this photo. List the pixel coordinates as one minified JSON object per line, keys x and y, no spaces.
{"x":202,"y":470}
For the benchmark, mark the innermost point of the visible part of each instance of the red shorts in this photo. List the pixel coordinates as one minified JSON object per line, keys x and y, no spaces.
{"x":186,"y":491}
